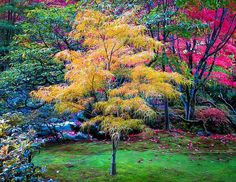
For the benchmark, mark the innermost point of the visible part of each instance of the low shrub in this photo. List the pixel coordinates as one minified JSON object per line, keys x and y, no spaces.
{"x":16,"y":151}
{"x":214,"y":120}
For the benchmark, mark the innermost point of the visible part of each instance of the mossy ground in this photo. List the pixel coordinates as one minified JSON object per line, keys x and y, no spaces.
{"x":167,"y":160}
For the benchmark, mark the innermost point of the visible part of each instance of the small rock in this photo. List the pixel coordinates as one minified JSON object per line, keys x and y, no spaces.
{"x":140,"y":160}
{"x":69,"y":165}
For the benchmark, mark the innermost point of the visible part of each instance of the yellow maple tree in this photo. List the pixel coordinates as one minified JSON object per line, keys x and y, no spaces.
{"x":111,"y":45}
{"x":109,"y":79}
{"x":110,"y":73}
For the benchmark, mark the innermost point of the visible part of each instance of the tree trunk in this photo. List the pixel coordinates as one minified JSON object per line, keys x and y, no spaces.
{"x":190,"y":105}
{"x":167,"y":118}
{"x":113,"y":163}
{"x":30,"y":157}
{"x":165,"y":60}
{"x":115,"y":140}
{"x":187,"y":108}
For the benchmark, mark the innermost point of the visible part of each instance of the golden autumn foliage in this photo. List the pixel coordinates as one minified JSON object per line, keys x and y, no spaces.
{"x":126,"y":108}
{"x":111,"y":124}
{"x":111,"y":74}
{"x":150,"y":83}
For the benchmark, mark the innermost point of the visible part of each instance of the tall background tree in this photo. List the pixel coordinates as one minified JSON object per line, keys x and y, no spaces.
{"x":198,"y":43}
{"x":11,"y":12}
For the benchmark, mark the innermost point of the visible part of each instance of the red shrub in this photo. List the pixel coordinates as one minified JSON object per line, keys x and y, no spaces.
{"x":214,"y":119}
{"x":216,"y":116}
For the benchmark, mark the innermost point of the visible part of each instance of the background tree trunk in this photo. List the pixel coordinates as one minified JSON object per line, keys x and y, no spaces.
{"x":190,"y":104}
{"x":167,"y":119}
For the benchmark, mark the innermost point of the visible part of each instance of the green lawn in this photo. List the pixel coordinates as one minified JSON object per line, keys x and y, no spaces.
{"x":142,"y":161}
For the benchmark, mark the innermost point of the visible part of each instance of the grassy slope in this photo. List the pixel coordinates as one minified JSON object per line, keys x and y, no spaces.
{"x":139,"y":161}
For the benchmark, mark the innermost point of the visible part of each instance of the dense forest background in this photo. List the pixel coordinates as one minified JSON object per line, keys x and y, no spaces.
{"x":73,"y":70}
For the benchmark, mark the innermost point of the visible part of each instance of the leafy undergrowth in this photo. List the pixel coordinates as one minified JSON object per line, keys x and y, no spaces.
{"x":169,"y":157}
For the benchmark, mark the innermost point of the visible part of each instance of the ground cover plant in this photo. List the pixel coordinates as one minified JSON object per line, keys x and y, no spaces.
{"x":117,"y":90}
{"x":165,"y":158}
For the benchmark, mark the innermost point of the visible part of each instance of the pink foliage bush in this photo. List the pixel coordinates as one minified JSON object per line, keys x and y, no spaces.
{"x":214,"y":119}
